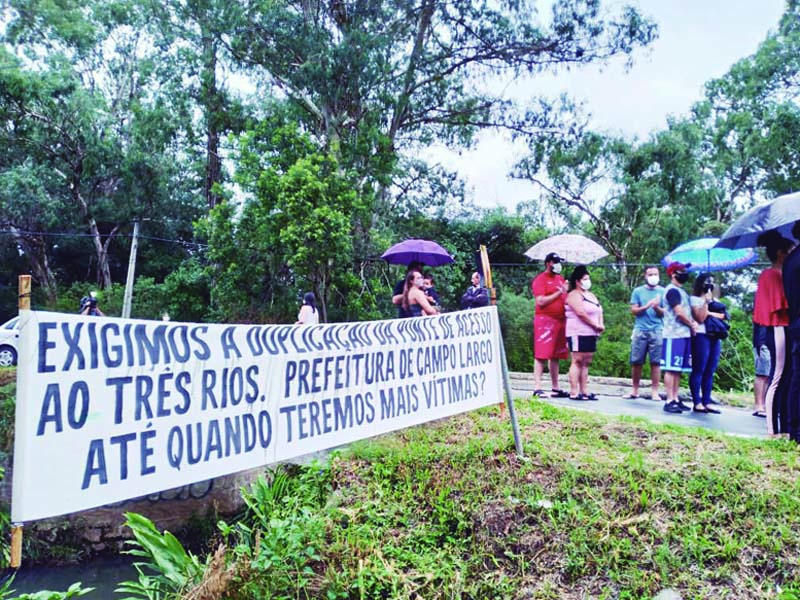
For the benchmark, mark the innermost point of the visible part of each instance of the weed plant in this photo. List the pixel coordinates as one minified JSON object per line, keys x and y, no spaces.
{"x":600,"y":507}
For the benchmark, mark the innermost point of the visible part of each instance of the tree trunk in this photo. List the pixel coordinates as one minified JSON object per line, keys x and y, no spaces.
{"x":103,"y":270}
{"x":212,"y":105}
{"x":40,"y":266}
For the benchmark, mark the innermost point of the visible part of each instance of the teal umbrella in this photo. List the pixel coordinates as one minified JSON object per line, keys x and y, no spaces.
{"x":701,"y":255}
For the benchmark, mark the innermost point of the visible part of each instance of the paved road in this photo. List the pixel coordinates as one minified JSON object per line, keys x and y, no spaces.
{"x":612,"y":401}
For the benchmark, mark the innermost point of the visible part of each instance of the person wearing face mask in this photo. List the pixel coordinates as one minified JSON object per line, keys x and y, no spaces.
{"x":678,"y":329}
{"x":549,"y":291}
{"x":584,"y":325}
{"x":415,"y":302}
{"x":706,"y":346}
{"x":647,"y":326}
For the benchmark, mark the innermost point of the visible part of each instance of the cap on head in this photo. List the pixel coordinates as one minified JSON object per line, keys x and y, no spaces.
{"x":674,"y":267}
{"x":552,"y":258}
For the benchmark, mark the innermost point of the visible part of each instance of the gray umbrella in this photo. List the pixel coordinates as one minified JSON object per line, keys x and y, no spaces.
{"x":779,"y":214}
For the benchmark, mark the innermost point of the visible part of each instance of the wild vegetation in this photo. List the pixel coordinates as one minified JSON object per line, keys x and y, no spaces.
{"x":598,"y":507}
{"x":268,"y":148}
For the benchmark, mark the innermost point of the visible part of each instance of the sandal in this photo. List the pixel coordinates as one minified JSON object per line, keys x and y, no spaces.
{"x":760,"y":413}
{"x":539,"y":393}
{"x":699,"y":408}
{"x":559,"y":394}
{"x":579,"y":397}
{"x":633,"y":396}
{"x":590,"y":397}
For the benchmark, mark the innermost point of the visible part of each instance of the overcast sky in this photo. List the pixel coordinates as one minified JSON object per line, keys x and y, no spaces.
{"x":698,"y":40}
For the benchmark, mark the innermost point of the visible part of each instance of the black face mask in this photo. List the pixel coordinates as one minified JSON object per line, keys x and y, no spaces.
{"x":682,"y":277}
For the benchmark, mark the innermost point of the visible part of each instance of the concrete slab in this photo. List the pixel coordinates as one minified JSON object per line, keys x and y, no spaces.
{"x":612,"y":400}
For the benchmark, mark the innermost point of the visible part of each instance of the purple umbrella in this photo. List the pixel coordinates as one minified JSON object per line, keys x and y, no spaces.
{"x":428,"y":253}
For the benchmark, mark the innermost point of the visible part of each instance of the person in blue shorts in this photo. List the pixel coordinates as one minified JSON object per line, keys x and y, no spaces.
{"x":646,"y":338}
{"x":678,"y":329}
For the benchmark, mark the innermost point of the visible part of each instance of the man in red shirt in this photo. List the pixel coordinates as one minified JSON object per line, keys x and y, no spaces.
{"x":549,"y":291}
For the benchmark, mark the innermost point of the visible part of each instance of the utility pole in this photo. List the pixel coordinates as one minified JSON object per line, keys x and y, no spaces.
{"x":126,"y":302}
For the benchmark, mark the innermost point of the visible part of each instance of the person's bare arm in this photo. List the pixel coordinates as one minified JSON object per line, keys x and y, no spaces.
{"x":544,"y":300}
{"x":700,"y":312}
{"x":575,"y":301}
{"x":422,"y":300}
{"x":654,"y":303}
{"x":681,"y":316}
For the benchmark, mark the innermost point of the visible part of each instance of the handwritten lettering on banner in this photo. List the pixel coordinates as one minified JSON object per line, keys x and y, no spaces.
{"x":110,"y":409}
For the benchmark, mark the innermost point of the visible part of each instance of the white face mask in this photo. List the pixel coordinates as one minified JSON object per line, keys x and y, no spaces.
{"x":652,"y":280}
{"x":557,"y":268}
{"x":586,"y":284}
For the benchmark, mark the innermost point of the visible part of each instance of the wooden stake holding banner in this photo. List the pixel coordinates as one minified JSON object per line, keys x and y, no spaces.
{"x":24,"y":303}
{"x":487,"y":276}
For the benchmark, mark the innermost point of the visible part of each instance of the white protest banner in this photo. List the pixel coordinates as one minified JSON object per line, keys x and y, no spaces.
{"x":111,"y":409}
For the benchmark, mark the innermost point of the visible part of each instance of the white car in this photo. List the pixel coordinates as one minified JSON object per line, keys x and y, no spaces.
{"x":9,"y":339}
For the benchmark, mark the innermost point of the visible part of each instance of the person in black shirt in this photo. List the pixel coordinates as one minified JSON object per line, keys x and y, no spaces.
{"x":791,"y":288}
{"x":475,"y":296}
{"x":430,"y":291}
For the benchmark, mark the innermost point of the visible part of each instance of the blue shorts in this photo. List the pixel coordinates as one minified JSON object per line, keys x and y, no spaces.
{"x":764,"y":349}
{"x":676,"y":355}
{"x":645,"y":343}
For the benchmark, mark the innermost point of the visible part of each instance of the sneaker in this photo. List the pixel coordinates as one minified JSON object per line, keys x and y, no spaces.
{"x":684,"y":407}
{"x":672,"y":407}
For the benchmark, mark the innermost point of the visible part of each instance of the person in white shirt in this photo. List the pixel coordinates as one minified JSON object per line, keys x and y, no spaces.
{"x":308,"y":315}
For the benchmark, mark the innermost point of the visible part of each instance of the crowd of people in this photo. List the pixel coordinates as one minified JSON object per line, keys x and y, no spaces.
{"x":677,"y":328}
{"x":677,"y":332}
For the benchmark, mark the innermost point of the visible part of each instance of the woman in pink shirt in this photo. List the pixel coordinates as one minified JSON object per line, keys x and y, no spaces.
{"x":584,"y":325}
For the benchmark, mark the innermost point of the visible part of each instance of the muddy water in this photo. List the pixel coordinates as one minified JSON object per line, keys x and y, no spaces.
{"x":103,"y":574}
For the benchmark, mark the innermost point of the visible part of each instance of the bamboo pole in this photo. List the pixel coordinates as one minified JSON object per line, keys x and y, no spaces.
{"x":24,"y":303}
{"x":24,"y":292}
{"x":487,"y":278}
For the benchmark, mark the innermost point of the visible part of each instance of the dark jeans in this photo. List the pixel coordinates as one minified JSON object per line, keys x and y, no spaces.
{"x":705,"y":358}
{"x":793,"y":376}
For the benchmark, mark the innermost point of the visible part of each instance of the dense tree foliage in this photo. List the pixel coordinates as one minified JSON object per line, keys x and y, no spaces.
{"x":272,"y":147}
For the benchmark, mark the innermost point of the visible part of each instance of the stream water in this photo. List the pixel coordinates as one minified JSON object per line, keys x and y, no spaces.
{"x":102,"y":574}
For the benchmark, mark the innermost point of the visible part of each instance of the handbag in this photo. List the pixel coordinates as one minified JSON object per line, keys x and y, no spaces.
{"x":717,"y":328}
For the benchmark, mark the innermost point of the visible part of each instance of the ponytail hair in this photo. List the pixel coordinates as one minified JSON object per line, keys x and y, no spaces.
{"x":311,"y":300}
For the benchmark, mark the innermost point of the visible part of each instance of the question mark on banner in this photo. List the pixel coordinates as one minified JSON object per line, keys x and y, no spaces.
{"x":483,"y":381}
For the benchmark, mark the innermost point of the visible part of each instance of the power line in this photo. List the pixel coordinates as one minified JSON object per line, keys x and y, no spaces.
{"x":90,"y":235}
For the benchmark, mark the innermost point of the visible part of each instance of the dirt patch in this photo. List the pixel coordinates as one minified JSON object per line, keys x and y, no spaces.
{"x":7,"y":375}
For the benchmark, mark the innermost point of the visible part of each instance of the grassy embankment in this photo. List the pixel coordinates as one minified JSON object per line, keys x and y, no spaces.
{"x":599,"y":508}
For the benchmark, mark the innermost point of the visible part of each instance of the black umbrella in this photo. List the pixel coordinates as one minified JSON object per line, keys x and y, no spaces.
{"x":779,"y":214}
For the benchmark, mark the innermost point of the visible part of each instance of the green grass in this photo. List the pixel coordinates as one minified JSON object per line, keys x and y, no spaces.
{"x":598,"y":508}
